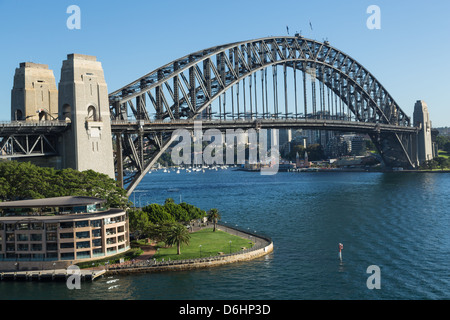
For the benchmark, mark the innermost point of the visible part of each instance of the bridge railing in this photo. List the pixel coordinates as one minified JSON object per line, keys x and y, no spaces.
{"x":266,"y":121}
{"x":48,"y":123}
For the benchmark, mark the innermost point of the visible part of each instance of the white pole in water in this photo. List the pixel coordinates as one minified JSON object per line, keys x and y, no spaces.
{"x":341,"y":246}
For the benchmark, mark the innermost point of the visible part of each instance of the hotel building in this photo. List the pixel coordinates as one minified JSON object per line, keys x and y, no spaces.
{"x":58,"y":232}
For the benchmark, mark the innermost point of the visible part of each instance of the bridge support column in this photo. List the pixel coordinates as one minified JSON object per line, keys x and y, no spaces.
{"x":119,"y":159}
{"x":423,"y":145}
{"x":395,"y":149}
{"x":83,"y":99}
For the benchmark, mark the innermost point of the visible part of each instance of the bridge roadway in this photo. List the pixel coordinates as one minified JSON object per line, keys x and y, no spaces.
{"x":32,"y":127}
{"x":124,"y":126}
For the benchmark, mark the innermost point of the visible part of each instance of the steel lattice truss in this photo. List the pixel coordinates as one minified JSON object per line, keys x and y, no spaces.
{"x":196,"y":80}
{"x":30,"y":139}
{"x":196,"y":87}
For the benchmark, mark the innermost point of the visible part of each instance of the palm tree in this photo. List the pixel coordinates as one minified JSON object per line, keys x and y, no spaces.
{"x":214,"y":216}
{"x":178,"y":234}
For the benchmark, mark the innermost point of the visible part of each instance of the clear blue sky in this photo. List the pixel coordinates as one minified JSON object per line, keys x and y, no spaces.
{"x":409,"y":55}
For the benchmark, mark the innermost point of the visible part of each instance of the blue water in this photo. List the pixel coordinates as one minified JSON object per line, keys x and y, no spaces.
{"x":397,"y":221}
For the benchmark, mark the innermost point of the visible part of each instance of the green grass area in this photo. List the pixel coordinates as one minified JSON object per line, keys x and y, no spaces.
{"x":444,"y":154}
{"x":211,"y":244}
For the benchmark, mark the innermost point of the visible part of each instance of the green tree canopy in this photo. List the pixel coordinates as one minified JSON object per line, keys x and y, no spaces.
{"x":157,"y":213}
{"x":23,"y":180}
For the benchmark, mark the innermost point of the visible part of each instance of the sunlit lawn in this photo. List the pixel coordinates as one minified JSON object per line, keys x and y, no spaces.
{"x":211,"y":244}
{"x":443,"y":154}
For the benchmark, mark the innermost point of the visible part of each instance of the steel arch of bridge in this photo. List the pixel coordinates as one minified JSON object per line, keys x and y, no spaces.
{"x":185,"y":89}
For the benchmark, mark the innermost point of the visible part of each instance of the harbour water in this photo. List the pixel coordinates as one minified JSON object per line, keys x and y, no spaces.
{"x":399,"y":222}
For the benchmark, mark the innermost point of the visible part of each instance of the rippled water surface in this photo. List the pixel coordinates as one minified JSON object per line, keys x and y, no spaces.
{"x":397,"y":221}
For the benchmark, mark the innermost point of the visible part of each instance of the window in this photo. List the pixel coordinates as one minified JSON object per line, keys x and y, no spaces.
{"x":66,"y":245}
{"x":79,"y":209}
{"x":36,"y":226}
{"x":96,"y":223}
{"x":66,"y":225}
{"x":92,"y":114}
{"x":22,"y":226}
{"x":36,"y":237}
{"x":52,"y":247}
{"x":51,"y":226}
{"x":36,"y":247}
{"x":96,"y":233}
{"x":22,"y":247}
{"x":83,"y":255}
{"x":97,"y":242}
{"x":111,"y":250}
{"x":66,"y":235}
{"x":52,"y":255}
{"x":110,"y":231}
{"x":83,"y":244}
{"x":67,"y":256}
{"x":82,"y":224}
{"x":51,"y":237}
{"x":113,"y":220}
{"x":22,"y":237}
{"x":83,"y":235}
{"x":97,"y":252}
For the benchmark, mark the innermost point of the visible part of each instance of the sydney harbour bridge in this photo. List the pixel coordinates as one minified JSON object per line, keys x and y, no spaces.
{"x":267,"y":83}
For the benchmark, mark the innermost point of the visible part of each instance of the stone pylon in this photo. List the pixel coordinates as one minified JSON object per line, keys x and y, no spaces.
{"x":83,"y":100}
{"x":424,"y":143}
{"x":34,"y":96}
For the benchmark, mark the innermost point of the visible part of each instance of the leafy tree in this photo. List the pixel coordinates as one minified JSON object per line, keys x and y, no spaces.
{"x":214,"y":216}
{"x":157,"y":213}
{"x":159,"y":232}
{"x":193,"y":212}
{"x":315,"y":152}
{"x":23,"y":180}
{"x":139,"y":223}
{"x":178,"y":213}
{"x":178,"y":234}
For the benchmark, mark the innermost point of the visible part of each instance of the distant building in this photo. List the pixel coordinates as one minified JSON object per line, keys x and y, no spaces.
{"x":337,"y":147}
{"x":302,"y":163}
{"x":358,"y":145}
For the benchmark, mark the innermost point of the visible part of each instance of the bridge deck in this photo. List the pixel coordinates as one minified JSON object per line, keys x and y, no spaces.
{"x":318,"y":124}
{"x":30,"y":127}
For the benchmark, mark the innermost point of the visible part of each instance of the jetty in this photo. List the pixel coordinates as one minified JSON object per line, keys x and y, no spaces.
{"x":50,"y":275}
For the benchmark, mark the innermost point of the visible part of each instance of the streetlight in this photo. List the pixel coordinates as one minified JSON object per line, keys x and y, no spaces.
{"x":230,"y":246}
{"x":200,"y":246}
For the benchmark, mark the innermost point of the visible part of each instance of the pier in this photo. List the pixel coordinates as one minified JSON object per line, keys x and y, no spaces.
{"x":50,"y":275}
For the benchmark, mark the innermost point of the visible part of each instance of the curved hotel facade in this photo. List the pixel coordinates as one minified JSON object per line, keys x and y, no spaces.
{"x":39,"y":233}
